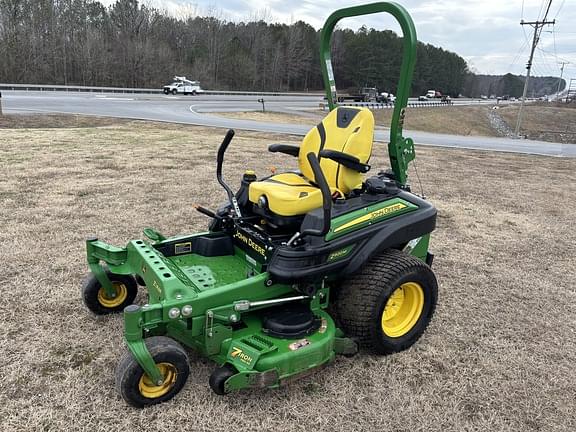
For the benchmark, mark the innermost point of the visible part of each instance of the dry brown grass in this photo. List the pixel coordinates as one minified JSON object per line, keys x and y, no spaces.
{"x":453,"y":120}
{"x":269,"y":116}
{"x":541,"y":121}
{"x":34,"y":121}
{"x":498,"y":356}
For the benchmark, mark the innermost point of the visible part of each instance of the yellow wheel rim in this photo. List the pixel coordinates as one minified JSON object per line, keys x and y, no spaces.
{"x":403,"y":309}
{"x":117,"y":300}
{"x":150,"y":389}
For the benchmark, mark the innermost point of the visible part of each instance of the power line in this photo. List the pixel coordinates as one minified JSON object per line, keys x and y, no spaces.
{"x":538,"y":26}
{"x":541,"y":8}
{"x":546,"y":63}
{"x":554,"y":38}
{"x":559,"y":9}
{"x":548,"y":52}
{"x":518,"y":54}
{"x":560,"y":79}
{"x":547,"y":10}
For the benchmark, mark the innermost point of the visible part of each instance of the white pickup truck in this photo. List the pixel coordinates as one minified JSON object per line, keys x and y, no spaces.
{"x":184,"y":86}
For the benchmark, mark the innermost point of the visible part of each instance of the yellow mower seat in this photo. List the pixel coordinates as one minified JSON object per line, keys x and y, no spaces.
{"x":287,"y":194}
{"x":345,"y":129}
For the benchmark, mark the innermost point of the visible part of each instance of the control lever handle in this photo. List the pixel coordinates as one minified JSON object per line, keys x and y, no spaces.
{"x":219,"y":163}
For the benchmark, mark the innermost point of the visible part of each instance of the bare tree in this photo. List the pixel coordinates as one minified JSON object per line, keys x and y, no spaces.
{"x":131,"y":43}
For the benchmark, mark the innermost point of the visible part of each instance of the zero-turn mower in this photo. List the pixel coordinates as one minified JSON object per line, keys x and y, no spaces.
{"x":296,"y":268}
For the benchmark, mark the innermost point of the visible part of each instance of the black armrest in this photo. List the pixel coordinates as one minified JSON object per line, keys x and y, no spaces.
{"x":284,"y":148}
{"x":347,"y":160}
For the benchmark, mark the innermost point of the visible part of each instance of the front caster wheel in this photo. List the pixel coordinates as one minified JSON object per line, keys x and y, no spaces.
{"x":137,"y":389}
{"x":219,"y":377}
{"x":389,"y":303}
{"x":100,"y":303}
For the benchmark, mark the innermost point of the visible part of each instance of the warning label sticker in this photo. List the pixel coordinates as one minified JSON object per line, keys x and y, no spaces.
{"x":182,"y":248}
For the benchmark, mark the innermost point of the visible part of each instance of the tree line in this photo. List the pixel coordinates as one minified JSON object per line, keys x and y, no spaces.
{"x":511,"y":85}
{"x":82,"y":42}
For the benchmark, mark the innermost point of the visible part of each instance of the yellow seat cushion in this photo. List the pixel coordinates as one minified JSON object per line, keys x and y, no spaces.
{"x":349,"y":130}
{"x":288,"y":194}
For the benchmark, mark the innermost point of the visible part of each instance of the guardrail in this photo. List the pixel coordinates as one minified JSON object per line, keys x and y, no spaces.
{"x":74,"y":89}
{"x":90,"y":89}
{"x":377,"y":105}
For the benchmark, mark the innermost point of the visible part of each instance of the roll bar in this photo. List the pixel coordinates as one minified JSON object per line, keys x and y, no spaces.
{"x":400,"y":149}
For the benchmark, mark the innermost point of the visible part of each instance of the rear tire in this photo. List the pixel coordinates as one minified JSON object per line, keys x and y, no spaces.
{"x":134,"y":385}
{"x":389,"y":303}
{"x":95,"y":298}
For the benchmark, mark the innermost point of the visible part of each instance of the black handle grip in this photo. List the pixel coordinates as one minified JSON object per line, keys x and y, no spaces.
{"x":206,"y":212}
{"x":219,"y":163}
{"x":288,"y":149}
{"x":222,"y":150}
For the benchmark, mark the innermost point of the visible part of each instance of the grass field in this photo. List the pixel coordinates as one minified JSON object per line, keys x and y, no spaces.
{"x":498,"y":356}
{"x":546,"y":122}
{"x":455,"y":120}
{"x":272,"y":117}
{"x":543,"y":121}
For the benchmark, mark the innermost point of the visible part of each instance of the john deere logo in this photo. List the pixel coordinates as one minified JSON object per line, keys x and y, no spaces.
{"x":377,"y":214}
{"x":238,"y":353}
{"x":250,"y":243}
{"x":372,"y":216}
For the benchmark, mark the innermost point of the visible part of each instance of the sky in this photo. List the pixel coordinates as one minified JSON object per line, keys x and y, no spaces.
{"x":487,"y":33}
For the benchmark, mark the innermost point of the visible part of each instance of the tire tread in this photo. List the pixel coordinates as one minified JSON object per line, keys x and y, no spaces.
{"x":359,"y":294}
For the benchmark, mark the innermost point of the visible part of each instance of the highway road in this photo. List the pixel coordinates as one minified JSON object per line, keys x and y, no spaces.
{"x":196,"y":110}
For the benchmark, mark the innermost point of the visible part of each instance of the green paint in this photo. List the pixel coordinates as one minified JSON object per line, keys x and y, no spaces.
{"x":418,"y":247}
{"x":137,"y":346}
{"x":400,"y":150}
{"x":358,"y":219}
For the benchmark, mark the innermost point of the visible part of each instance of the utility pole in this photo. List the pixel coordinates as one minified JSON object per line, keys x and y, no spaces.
{"x":538,"y":25}
{"x":560,"y":80}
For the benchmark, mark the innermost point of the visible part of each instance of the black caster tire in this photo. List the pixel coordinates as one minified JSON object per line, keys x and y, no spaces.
{"x":95,"y":298}
{"x":219,"y":378}
{"x":134,"y":385}
{"x":389,"y":303}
